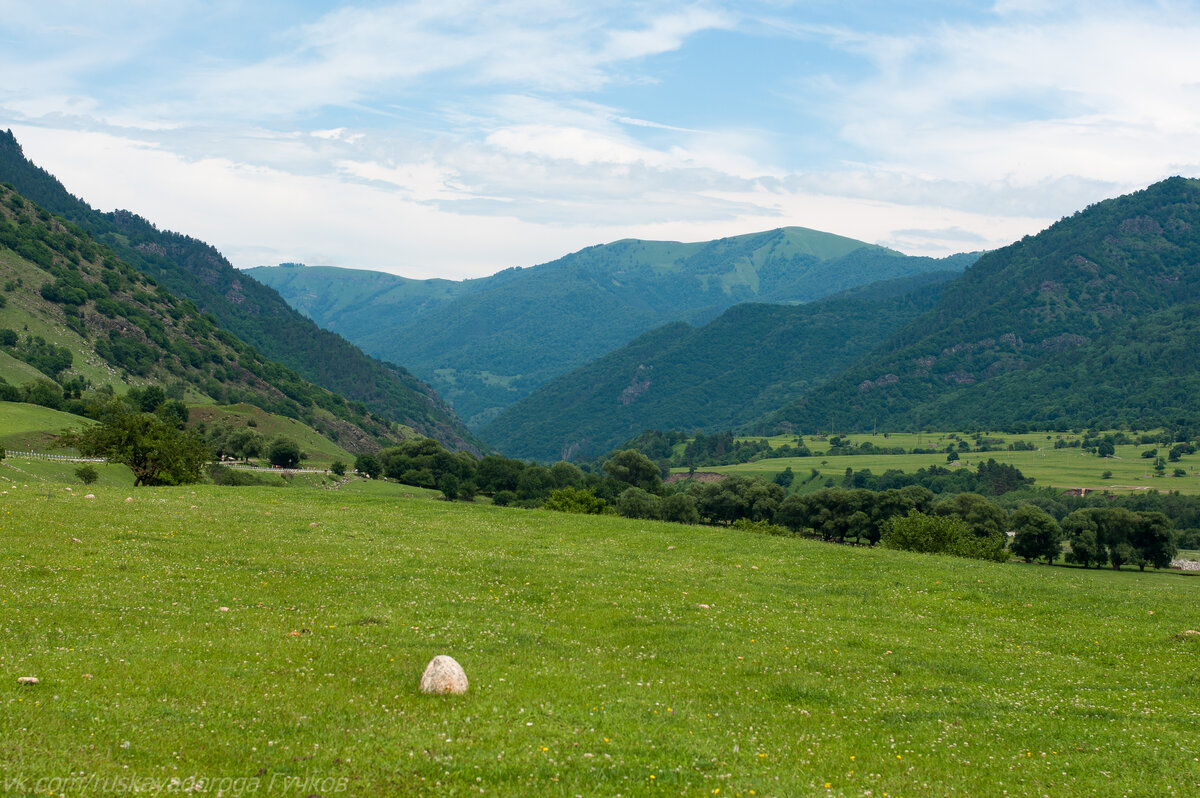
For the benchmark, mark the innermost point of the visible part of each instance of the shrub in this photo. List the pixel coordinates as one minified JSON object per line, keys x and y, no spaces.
{"x":448,"y":485}
{"x":87,"y":474}
{"x":504,"y":498}
{"x":338,"y":467}
{"x":938,"y":534}
{"x":762,"y":527}
{"x":575,"y":500}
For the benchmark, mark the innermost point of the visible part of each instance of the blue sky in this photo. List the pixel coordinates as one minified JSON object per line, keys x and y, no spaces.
{"x":459,"y":137}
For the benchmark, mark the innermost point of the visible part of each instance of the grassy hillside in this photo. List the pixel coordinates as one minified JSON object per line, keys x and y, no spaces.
{"x":25,"y":427}
{"x":485,"y":344}
{"x":720,"y":376}
{"x":82,"y":319}
{"x":195,"y":271}
{"x":242,"y":636}
{"x":320,"y":450}
{"x":1090,"y":323}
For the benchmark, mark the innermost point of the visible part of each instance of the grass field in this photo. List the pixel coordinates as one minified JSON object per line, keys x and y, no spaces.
{"x":26,"y":427}
{"x":606,"y":656}
{"x":1061,"y":468}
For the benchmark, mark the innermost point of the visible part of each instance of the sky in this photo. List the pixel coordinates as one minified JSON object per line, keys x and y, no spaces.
{"x":455,"y":138}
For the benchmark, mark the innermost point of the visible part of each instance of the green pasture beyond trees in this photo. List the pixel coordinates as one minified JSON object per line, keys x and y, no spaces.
{"x":1049,"y":467}
{"x":606,"y":655}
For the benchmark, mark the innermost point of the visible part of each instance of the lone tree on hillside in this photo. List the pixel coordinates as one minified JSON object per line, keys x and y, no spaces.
{"x":156,"y":452}
{"x":284,"y":453}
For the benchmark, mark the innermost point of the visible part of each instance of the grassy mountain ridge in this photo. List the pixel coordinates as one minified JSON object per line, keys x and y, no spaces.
{"x":193,"y":270}
{"x":85,"y":319}
{"x":486,"y":343}
{"x":1090,"y":322}
{"x":719,"y":376}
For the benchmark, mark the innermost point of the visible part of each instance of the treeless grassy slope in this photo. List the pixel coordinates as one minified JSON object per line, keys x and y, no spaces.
{"x":606,"y":656}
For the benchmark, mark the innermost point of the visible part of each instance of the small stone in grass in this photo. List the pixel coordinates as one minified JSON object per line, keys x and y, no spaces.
{"x":90,"y":496}
{"x":704,"y":606}
{"x":222,"y":609}
{"x":76,"y":540}
{"x":312,"y":523}
{"x":443,"y":676}
{"x":128,"y":498}
{"x":27,"y":680}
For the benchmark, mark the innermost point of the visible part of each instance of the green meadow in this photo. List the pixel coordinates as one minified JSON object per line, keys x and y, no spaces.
{"x":1050,"y":467}
{"x":269,"y":641}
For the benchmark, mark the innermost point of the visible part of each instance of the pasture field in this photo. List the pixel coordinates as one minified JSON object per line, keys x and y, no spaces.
{"x":263,"y":641}
{"x":25,"y":427}
{"x":1050,"y":467}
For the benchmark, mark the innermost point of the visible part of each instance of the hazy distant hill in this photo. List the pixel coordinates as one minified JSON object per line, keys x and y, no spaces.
{"x":74,"y":317}
{"x":194,"y":270}
{"x":486,"y":343}
{"x":723,"y":375}
{"x":1092,"y":322}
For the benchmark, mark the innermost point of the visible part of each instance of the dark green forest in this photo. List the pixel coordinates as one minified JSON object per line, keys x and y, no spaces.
{"x":751,"y":359}
{"x":1090,"y":323}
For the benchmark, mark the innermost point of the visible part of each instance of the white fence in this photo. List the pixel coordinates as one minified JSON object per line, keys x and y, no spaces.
{"x":65,"y":457}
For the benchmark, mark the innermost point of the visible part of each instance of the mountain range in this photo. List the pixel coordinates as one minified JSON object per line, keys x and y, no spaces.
{"x":1090,"y":323}
{"x":486,"y":343}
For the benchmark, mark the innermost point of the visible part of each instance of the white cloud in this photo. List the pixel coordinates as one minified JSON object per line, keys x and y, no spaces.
{"x":461,"y":136}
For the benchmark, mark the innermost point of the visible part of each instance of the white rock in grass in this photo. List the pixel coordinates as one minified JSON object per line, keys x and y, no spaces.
{"x":27,"y":680}
{"x":443,"y":675}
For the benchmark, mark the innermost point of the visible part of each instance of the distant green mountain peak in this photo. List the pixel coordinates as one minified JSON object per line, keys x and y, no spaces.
{"x":486,"y":343}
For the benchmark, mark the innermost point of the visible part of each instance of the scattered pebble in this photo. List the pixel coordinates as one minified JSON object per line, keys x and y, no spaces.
{"x":128,"y":498}
{"x":76,"y":540}
{"x":222,"y":609}
{"x":704,"y":606}
{"x":27,"y":680}
{"x":90,"y":496}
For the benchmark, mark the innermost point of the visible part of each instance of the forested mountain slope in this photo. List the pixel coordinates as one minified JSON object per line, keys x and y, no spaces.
{"x":191,"y":269}
{"x":74,"y":318}
{"x":720,"y":376}
{"x":486,"y":343}
{"x":1092,"y":322}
